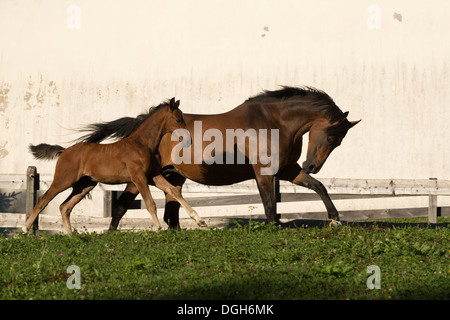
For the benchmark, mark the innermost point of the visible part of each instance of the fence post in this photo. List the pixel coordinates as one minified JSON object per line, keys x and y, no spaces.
{"x":432,"y":207}
{"x":109,"y":200}
{"x":32,"y":187}
{"x":276,"y":189}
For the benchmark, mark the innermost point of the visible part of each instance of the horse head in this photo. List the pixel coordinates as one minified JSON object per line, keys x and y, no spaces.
{"x":324,"y":137}
{"x":176,"y":125}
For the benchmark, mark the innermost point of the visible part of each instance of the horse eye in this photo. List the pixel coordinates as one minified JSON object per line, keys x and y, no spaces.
{"x":178,"y":120}
{"x":330,"y":140}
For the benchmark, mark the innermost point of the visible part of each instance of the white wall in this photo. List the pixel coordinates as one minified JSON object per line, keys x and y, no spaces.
{"x":213,"y":54}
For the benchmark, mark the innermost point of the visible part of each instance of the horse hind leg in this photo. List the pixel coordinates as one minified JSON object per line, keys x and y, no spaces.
{"x":122,"y":204}
{"x":170,"y":190}
{"x":42,"y":202}
{"x":80,"y":189}
{"x":266,"y":189}
{"x":40,"y":205}
{"x":65,"y":176}
{"x":171,"y":212}
{"x":172,"y":207}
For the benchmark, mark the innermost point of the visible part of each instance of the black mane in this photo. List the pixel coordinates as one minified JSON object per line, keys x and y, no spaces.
{"x":289,"y":92}
{"x":318,"y":98}
{"x":116,"y":129}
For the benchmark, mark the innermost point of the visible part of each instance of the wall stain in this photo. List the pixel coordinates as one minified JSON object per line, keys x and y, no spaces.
{"x":398,"y":17}
{"x":42,"y":93}
{"x":4,"y":101}
{"x":3,"y":151}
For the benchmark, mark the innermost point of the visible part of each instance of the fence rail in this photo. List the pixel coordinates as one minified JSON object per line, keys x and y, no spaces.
{"x":17,"y":189}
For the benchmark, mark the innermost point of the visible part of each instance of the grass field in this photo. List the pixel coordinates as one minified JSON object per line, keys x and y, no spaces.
{"x":247,"y":261}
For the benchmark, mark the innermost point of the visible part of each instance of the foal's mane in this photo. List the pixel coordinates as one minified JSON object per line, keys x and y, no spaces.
{"x":317,"y":98}
{"x":117,"y":129}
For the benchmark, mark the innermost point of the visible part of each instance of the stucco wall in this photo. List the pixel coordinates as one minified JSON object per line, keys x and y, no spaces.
{"x":387,"y":62}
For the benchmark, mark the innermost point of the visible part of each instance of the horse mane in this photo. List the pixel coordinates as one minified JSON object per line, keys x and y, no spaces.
{"x":318,"y":98}
{"x":289,"y":92}
{"x":124,"y":127}
{"x":116,"y":129}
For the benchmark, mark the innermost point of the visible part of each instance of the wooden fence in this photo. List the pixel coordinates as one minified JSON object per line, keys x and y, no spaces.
{"x":17,"y":190}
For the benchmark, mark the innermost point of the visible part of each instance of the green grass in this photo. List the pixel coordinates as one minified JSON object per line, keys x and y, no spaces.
{"x":248,"y":261}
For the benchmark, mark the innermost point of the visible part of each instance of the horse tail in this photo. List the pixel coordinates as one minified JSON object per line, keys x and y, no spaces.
{"x":46,"y":151}
{"x":116,"y":129}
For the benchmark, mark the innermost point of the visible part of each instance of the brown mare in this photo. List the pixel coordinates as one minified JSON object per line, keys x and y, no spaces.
{"x":130,"y":160}
{"x":293,"y":111}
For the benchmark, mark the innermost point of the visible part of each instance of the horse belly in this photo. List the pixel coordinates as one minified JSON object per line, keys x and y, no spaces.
{"x":106,"y":170}
{"x":216,"y":174}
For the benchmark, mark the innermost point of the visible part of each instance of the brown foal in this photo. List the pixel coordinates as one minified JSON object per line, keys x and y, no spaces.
{"x":130,"y":161}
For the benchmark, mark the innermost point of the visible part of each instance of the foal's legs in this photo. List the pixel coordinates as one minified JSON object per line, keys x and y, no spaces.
{"x":164,"y":185}
{"x":296,"y":175}
{"x":80,"y":189}
{"x":172,"y":205}
{"x":141,"y":182}
{"x":55,"y":188}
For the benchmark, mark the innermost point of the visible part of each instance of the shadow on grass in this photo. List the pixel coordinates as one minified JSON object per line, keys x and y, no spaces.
{"x":302,"y":223}
{"x":287,"y":287}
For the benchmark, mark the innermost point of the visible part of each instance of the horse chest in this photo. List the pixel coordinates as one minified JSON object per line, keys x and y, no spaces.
{"x":295,"y":150}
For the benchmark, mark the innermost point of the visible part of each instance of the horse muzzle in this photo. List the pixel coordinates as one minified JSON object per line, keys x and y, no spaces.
{"x":309,"y":168}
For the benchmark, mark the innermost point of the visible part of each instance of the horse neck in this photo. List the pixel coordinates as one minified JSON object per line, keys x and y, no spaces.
{"x":150,"y":132}
{"x":302,"y":117}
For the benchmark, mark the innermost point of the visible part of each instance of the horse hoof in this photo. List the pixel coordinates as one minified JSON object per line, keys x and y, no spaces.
{"x":335,"y":223}
{"x":202,"y":223}
{"x":25,"y":230}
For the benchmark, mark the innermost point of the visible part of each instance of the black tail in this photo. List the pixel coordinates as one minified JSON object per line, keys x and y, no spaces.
{"x":46,"y":151}
{"x":117,"y":129}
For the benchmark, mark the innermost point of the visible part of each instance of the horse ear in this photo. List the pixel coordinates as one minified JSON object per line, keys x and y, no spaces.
{"x":177,"y":104}
{"x":344,"y":116}
{"x":354,"y":123}
{"x":172,"y":104}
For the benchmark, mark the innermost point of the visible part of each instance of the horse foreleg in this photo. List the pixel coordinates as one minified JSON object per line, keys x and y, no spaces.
{"x":140,"y":180}
{"x":267,"y":192}
{"x":164,"y":185}
{"x":122,"y":204}
{"x":296,"y":175}
{"x":304,"y":179}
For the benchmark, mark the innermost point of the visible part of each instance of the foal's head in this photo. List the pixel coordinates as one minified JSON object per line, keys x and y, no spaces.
{"x":174,"y":117}
{"x":175,"y":123}
{"x":323,"y":138}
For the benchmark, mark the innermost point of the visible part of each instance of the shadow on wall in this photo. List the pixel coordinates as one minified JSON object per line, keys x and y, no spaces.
{"x":8,"y":200}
